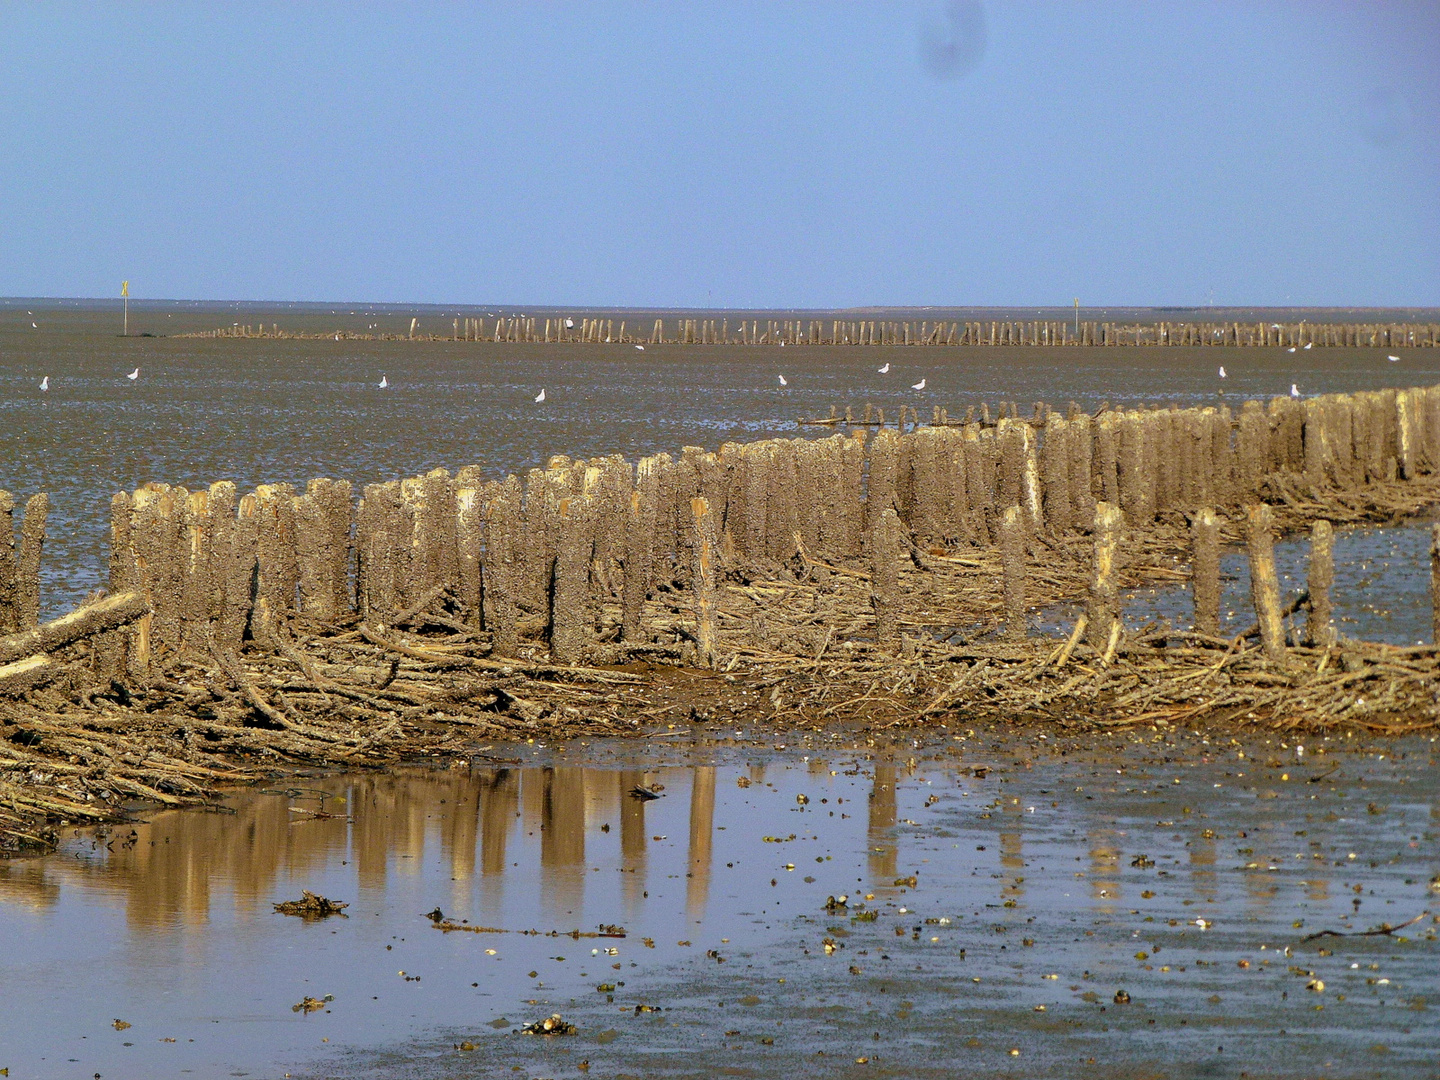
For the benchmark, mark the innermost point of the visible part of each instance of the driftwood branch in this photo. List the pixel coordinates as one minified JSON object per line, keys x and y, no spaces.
{"x":107,"y":614}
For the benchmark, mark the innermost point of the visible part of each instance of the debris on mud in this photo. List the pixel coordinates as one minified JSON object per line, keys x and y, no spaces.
{"x":310,"y":906}
{"x":551,"y":1025}
{"x":309,"y":1004}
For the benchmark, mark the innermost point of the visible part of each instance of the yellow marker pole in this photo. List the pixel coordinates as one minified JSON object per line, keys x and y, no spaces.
{"x":1077,"y":316}
{"x":125,"y":292}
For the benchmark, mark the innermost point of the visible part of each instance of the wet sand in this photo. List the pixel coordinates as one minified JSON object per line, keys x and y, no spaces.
{"x":1162,"y":864}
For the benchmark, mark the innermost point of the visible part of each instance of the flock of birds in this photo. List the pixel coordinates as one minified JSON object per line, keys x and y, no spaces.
{"x":384,"y":383}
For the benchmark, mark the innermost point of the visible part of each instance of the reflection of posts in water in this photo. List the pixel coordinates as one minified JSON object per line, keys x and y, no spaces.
{"x":459,"y":834}
{"x":702,"y":821}
{"x":24,"y":883}
{"x":499,"y":796}
{"x":632,"y":839}
{"x":370,"y":839}
{"x":1259,"y":887}
{"x":498,"y":792}
{"x":1104,"y":871}
{"x":562,"y":839}
{"x":881,"y":832}
{"x":1012,"y":857}
{"x":1202,"y":867}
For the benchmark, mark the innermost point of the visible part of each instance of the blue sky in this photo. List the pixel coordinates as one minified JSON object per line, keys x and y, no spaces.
{"x":740,"y":154}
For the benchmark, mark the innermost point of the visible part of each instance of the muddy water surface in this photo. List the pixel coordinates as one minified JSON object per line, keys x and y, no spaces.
{"x":992,"y":916}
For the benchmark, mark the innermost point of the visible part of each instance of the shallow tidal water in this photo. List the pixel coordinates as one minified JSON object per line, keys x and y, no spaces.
{"x":1018,"y":884}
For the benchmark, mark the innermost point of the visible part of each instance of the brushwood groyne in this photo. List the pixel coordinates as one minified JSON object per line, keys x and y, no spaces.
{"x":569,"y":555}
{"x":875,"y":579}
{"x":797,"y":331}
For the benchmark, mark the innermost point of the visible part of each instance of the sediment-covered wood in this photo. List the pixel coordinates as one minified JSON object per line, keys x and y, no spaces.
{"x":1320,"y":625}
{"x":1264,"y":583}
{"x":107,"y":614}
{"x":1205,"y":571}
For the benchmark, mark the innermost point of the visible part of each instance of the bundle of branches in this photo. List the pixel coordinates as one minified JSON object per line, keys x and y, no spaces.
{"x":74,"y":750}
{"x":1168,"y":678}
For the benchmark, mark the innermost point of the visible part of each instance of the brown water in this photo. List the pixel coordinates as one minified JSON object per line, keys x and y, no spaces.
{"x":1167,"y":866}
{"x":256,"y":411}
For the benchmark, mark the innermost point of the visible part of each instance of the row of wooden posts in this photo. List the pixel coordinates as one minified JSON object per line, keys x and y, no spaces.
{"x":796,"y":331}
{"x":539,"y":557}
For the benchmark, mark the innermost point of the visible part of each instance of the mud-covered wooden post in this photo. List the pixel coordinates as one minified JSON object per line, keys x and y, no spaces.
{"x":1264,"y":584}
{"x":880,"y":491}
{"x":1013,"y":532}
{"x":1435,"y":583}
{"x":639,"y":540}
{"x":322,"y":548}
{"x":27,"y":564}
{"x":500,"y":570}
{"x":8,"y":621}
{"x":196,"y":575}
{"x":1058,"y":497}
{"x":275,"y":546}
{"x":1205,"y":571}
{"x":570,"y":622}
{"x":703,"y":579}
{"x":1102,"y":609}
{"x":469,"y":547}
{"x":885,"y":579}
{"x":110,"y":647}
{"x":1319,"y":630}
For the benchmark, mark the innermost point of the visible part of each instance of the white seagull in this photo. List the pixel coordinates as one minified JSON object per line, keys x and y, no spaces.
{"x":45,"y":383}
{"x":384,"y":382}
{"x":782,"y":380}
{"x":884,"y":370}
{"x":541,"y":395}
{"x":1222,"y":371}
{"x":1393,"y":359}
{"x":134,"y":375}
{"x":1309,"y":345}
{"x":918,"y":386}
{"x":640,"y":347}
{"x":1291,"y":349}
{"x":1294,"y":390}
{"x":569,"y":324}
{"x":35,"y":325}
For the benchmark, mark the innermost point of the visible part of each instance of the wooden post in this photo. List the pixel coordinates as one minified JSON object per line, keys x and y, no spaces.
{"x":1081,"y":440}
{"x":322,"y":548}
{"x":32,"y":539}
{"x":880,"y":492}
{"x":1012,"y":558}
{"x":1057,"y":473}
{"x":885,"y":579}
{"x":1435,"y":583}
{"x":8,"y":621}
{"x":1264,"y":584}
{"x":570,"y":621}
{"x":1205,"y":571}
{"x":275,"y":537}
{"x":1102,"y":611}
{"x":196,"y":578}
{"x":703,"y":579}
{"x":1320,"y":629}
{"x":469,"y":550}
{"x":110,"y":648}
{"x":500,"y":571}
{"x":639,"y":528}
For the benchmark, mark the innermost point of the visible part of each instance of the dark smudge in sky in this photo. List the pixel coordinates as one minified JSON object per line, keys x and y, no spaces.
{"x":955,"y":48}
